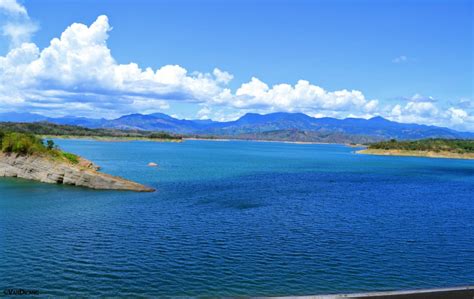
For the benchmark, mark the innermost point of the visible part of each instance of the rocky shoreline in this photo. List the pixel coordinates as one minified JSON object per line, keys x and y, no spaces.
{"x":49,"y":170}
{"x":426,"y":154}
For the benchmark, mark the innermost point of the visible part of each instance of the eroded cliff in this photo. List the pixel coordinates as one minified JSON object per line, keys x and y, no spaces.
{"x":48,"y":170}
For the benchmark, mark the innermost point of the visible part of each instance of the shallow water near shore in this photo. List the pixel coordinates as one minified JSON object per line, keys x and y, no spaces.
{"x":241,"y":218}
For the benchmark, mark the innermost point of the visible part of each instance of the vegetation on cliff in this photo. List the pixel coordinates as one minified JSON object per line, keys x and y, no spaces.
{"x":24,"y":155}
{"x":458,"y":146}
{"x":29,"y":144}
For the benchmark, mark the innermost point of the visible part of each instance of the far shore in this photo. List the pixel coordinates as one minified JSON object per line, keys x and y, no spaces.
{"x":108,"y":138}
{"x":125,"y":139}
{"x":276,"y":141}
{"x":427,"y":154}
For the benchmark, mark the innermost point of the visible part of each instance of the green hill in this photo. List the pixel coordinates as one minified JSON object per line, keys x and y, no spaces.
{"x":460,"y":146}
{"x":50,"y":129}
{"x":433,"y":148}
{"x":29,"y":144}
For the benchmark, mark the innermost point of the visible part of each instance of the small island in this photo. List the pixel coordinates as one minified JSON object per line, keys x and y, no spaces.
{"x":26,"y":156}
{"x":431,"y":148}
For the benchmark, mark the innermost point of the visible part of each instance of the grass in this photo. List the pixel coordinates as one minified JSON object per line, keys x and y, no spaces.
{"x":21,"y":143}
{"x":29,"y":144}
{"x":74,"y":159}
{"x":432,"y":148}
{"x":437,"y":145}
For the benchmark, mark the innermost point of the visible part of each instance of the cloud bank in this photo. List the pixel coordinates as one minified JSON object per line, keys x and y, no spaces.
{"x":76,"y":74}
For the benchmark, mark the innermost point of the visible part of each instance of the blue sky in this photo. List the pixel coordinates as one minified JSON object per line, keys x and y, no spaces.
{"x":409,"y":61}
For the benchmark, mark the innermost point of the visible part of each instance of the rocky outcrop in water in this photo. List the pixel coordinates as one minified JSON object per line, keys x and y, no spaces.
{"x":49,"y":170}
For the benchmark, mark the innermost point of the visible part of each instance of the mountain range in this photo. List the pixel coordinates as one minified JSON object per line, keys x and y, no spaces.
{"x":255,"y":125}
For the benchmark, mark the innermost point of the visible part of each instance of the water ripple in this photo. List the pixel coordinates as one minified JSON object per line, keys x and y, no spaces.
{"x":294,"y":222}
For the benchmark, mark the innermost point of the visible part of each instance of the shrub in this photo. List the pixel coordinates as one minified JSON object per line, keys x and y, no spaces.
{"x":50,"y":144}
{"x":74,"y":159}
{"x":27,"y":144}
{"x":21,"y":143}
{"x":437,"y":145}
{"x":163,"y":135}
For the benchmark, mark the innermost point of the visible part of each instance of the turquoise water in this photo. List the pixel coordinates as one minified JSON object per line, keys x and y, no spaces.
{"x":241,"y":218}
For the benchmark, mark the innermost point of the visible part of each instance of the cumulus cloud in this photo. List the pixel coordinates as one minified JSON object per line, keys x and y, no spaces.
{"x":77,"y":74}
{"x":424,"y":110}
{"x":303,"y":96}
{"x":222,"y":77}
{"x":78,"y":65}
{"x":204,"y":113}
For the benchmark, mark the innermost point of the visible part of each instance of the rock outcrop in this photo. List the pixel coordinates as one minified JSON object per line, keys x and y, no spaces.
{"x":49,"y":170}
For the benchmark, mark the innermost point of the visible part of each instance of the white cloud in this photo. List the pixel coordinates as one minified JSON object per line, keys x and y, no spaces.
{"x":79,"y":63}
{"x":424,"y":110}
{"x":461,"y":118}
{"x":16,"y":25}
{"x":420,"y":98}
{"x":400,"y":59}
{"x":222,"y":77}
{"x":303,"y":96}
{"x":19,"y":32}
{"x":76,"y":74}
{"x":466,"y":103}
{"x":78,"y":66}
{"x":204,"y":113}
{"x":13,"y":7}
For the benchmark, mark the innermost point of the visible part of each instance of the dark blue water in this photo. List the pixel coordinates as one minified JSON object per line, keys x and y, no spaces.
{"x":241,"y":218}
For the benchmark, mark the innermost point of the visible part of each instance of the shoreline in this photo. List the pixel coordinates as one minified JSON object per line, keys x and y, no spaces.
{"x":423,"y":154}
{"x":126,"y":139}
{"x":107,"y":138}
{"x":275,"y":141}
{"x":47,"y":169}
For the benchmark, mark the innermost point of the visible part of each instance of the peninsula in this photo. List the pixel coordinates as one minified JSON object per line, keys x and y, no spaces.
{"x":50,"y":130}
{"x":26,"y":156}
{"x":431,"y":148}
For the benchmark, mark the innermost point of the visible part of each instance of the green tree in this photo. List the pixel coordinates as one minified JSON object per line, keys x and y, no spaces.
{"x":50,"y":144}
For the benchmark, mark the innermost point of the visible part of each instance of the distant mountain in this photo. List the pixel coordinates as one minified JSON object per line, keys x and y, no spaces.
{"x":307,"y":136}
{"x":22,"y":117}
{"x":377,"y":127}
{"x":78,"y":121}
{"x":252,"y":124}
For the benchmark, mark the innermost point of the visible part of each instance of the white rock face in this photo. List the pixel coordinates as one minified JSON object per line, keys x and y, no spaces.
{"x":47,"y":170}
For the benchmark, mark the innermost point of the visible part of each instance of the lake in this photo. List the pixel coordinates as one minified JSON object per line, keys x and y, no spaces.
{"x":241,"y":218}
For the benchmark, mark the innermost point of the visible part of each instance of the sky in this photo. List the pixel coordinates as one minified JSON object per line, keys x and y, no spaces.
{"x":408,"y":61}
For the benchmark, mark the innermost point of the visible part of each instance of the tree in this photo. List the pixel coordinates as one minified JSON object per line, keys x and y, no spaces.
{"x":50,"y":144}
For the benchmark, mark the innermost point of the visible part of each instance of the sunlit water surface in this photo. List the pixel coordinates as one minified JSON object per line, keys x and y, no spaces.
{"x":241,"y":218}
